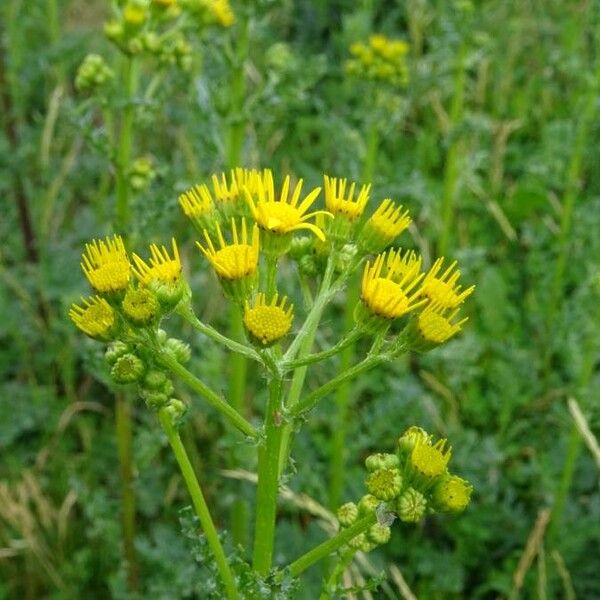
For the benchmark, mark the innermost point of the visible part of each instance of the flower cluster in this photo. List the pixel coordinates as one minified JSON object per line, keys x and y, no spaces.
{"x":410,"y":483}
{"x":380,"y":59}
{"x":131,"y":297}
{"x":138,"y":27}
{"x":242,"y":216}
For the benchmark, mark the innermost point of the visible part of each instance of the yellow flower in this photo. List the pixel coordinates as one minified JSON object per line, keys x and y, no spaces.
{"x":435,"y":327}
{"x":384,"y":226}
{"x":235,"y":260}
{"x":268,"y":322}
{"x":161,"y":266}
{"x":106,"y":265}
{"x":95,"y":318}
{"x":452,"y":494}
{"x":443,"y":289}
{"x":430,"y":460}
{"x":284,"y":215}
{"x":338,"y":202}
{"x":197,"y":204}
{"x":389,"y":295}
{"x":222,"y":12}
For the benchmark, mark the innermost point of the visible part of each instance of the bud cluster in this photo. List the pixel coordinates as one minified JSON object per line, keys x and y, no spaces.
{"x":380,"y":59}
{"x":132,"y":297}
{"x":93,"y":73}
{"x":410,"y":483}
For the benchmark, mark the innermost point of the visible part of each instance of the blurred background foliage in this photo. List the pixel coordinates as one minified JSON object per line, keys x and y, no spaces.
{"x":493,"y":148}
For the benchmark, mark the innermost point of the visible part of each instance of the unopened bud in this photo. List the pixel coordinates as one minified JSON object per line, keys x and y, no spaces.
{"x":127,"y":369}
{"x":115,"y":351}
{"x":381,"y":461}
{"x":347,"y":514}
{"x":411,"y":506}
{"x":379,"y":534}
{"x":368,"y":504}
{"x":384,"y":484}
{"x":180,"y":350}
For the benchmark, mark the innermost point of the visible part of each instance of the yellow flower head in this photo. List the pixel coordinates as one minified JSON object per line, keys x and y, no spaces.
{"x":384,"y":226}
{"x":196,"y":203}
{"x":435,"y":326}
{"x":443,"y":288}
{"x":338,"y":202}
{"x":236,"y":260}
{"x":268,"y":322}
{"x":239,"y":178}
{"x":222,"y":12}
{"x":106,"y":265}
{"x":452,"y":494}
{"x":386,"y":292}
{"x":161,"y":267}
{"x":95,"y":317}
{"x":430,"y":460}
{"x":285,"y":214}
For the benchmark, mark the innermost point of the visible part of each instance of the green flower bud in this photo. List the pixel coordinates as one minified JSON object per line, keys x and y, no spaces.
{"x":113,"y":30}
{"x":92,"y":73}
{"x":154,"y":400}
{"x":367,"y":545}
{"x":368,"y":504}
{"x":180,"y":350}
{"x":307,"y":265}
{"x":358,"y":542}
{"x":115,"y":351}
{"x":161,"y":336}
{"x":127,"y":369}
{"x":381,"y":461}
{"x":409,"y":439}
{"x":384,"y":484}
{"x":452,"y":494}
{"x":347,"y":514}
{"x":140,"y":306}
{"x":379,"y":534}
{"x":411,"y":506}
{"x":135,"y":45}
{"x":155,"y":380}
{"x":169,"y":294}
{"x":176,"y":409}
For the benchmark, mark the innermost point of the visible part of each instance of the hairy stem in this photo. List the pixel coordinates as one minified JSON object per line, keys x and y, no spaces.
{"x":125,"y":143}
{"x":199,"y":503}
{"x":268,"y":482}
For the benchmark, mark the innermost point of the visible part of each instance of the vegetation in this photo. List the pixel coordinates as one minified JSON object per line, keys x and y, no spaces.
{"x":223,"y":441}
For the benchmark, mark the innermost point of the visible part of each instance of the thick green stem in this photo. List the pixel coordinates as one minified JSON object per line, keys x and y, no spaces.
{"x":311,"y":400}
{"x":337,"y":458}
{"x":125,"y":142}
{"x":228,"y":411}
{"x":199,"y":503}
{"x":303,"y":345}
{"x":326,"y":548}
{"x":451,"y":170}
{"x":268,"y":482}
{"x":124,"y":439}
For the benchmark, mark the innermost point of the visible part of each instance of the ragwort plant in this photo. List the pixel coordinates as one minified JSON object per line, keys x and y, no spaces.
{"x":247,"y":232}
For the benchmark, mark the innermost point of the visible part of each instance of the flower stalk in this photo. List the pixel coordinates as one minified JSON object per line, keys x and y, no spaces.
{"x":199,"y":503}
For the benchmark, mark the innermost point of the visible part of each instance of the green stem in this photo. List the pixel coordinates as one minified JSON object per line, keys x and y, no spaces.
{"x":124,"y":440}
{"x":372,"y":151}
{"x":123,"y":153}
{"x":188,"y":314}
{"x":271,"y":278}
{"x":268,"y":482}
{"x":311,"y":400}
{"x":451,"y":170}
{"x":343,"y":344}
{"x":326,"y":548}
{"x":342,"y":399}
{"x":303,"y":344}
{"x":199,"y":502}
{"x":228,"y":411}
